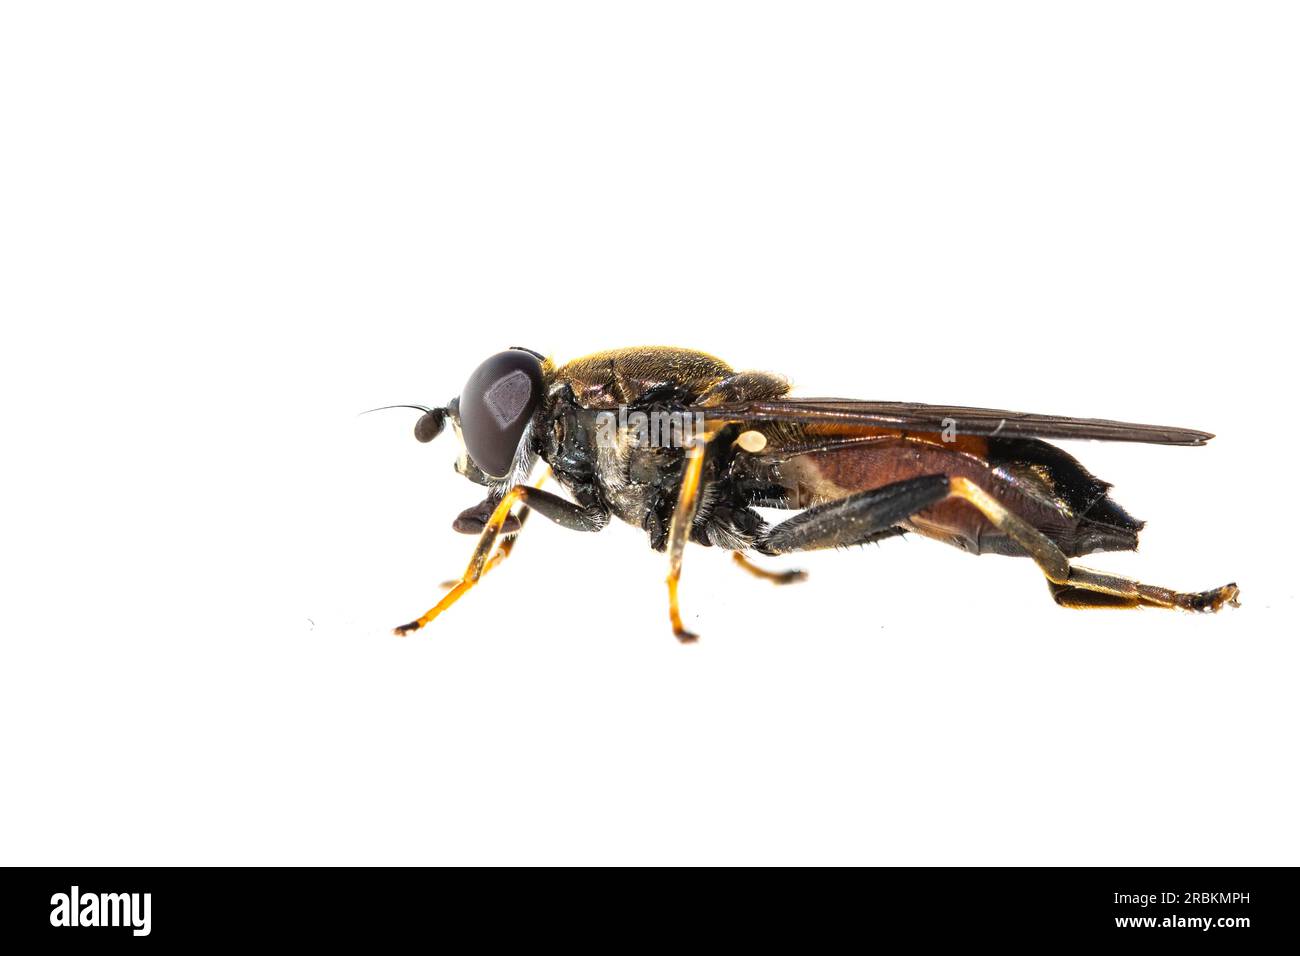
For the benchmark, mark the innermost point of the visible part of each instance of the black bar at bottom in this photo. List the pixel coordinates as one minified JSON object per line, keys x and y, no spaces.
{"x":1225,"y":907}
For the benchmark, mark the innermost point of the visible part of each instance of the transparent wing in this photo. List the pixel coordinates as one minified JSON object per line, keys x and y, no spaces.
{"x":960,"y":420}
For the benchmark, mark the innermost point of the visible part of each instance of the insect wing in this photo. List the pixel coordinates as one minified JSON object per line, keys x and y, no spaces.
{"x":949,"y":419}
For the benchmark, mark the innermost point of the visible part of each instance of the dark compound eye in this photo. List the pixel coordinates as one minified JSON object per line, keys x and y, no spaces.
{"x":495,"y":407}
{"x":430,"y":424}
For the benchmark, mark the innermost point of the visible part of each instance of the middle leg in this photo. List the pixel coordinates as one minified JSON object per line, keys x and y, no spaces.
{"x":679,"y":528}
{"x":788,"y":576}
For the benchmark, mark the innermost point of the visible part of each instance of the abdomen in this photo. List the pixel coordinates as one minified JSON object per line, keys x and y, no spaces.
{"x":1035,"y":480}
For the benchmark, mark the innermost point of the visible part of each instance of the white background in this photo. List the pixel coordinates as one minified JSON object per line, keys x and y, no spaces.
{"x":227,"y":228}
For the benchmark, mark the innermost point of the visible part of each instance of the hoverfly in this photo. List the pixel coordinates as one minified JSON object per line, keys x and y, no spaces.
{"x":678,"y":443}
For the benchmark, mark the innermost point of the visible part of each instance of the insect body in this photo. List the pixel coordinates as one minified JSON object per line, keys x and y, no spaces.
{"x":677,"y":443}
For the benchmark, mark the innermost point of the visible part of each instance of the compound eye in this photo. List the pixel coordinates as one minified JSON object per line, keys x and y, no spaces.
{"x":495,"y":407}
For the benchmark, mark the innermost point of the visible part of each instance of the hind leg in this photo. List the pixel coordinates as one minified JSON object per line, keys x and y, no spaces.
{"x":867,"y":515}
{"x":856,"y":519}
{"x":1126,"y":593}
{"x":1078,"y":587}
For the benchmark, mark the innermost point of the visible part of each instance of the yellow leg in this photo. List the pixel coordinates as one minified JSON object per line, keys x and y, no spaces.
{"x":478,"y":564}
{"x":508,"y":542}
{"x":503,"y":552}
{"x":679,"y":529}
{"x":1040,"y":547}
{"x":776,"y":577}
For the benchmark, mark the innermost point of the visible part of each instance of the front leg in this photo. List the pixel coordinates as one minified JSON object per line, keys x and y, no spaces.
{"x":585,"y":516}
{"x":565,"y":513}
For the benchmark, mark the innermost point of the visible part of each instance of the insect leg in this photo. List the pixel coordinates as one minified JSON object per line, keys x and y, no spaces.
{"x":559,"y":510}
{"x":566,"y":514}
{"x":509,"y":532}
{"x":868,"y":514}
{"x":1080,"y":587}
{"x":509,"y":536}
{"x":679,"y":529}
{"x":856,"y":519}
{"x":1089,"y":589}
{"x":474,"y":571}
{"x":789,"y":576}
{"x":1037,"y":545}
